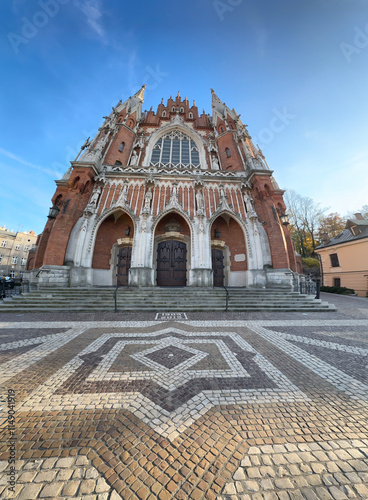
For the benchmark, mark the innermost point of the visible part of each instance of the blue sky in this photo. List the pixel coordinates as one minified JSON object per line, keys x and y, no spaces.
{"x":65,"y":63}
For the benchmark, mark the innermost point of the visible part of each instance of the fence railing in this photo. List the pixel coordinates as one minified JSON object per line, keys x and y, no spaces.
{"x":308,"y":286}
{"x":7,"y":291}
{"x":227,"y":297}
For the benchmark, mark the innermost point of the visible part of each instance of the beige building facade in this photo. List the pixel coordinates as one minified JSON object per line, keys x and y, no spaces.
{"x":344,"y":258}
{"x":14,"y":250}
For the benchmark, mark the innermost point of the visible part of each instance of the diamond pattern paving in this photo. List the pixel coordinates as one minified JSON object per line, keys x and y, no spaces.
{"x":256,"y":410}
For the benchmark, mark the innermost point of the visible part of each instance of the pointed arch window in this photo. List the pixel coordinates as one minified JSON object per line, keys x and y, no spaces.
{"x":227,"y":151}
{"x":121,"y":147}
{"x":175,"y":149}
{"x":163,"y":113}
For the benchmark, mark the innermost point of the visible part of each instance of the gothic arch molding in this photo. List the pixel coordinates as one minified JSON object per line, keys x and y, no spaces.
{"x":246,"y":233}
{"x":177,"y":124}
{"x":103,"y":217}
{"x":163,"y":214}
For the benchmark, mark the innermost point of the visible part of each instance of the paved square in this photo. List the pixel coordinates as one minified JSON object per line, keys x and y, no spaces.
{"x":266,"y":407}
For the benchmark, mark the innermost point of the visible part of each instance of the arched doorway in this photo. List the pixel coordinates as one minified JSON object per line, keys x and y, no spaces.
{"x":172,"y":251}
{"x":218,"y":266}
{"x":171,"y":263}
{"x":124,"y":258}
{"x":228,"y":251}
{"x":113,"y":250}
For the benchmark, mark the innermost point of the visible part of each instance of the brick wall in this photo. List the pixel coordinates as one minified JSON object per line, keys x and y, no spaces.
{"x":108,"y":233}
{"x":233,"y":236}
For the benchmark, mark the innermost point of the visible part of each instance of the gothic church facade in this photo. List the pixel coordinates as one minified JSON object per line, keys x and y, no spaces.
{"x":167,"y":198}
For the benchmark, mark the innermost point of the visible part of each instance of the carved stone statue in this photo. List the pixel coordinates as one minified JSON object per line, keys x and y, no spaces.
{"x":215,"y":163}
{"x":200,"y":201}
{"x":134,"y":158}
{"x":248,"y":202}
{"x":95,"y":195}
{"x":147,"y":201}
{"x":123,"y":196}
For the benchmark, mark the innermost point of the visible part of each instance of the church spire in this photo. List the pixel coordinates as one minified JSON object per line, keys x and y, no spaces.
{"x":215,"y":98}
{"x":140,"y":93}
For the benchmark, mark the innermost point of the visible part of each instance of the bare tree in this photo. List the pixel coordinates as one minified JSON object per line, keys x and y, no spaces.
{"x":363,"y":211}
{"x":304,"y":214}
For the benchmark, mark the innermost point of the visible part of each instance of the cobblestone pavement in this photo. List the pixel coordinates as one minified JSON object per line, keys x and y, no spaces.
{"x":246,"y":406}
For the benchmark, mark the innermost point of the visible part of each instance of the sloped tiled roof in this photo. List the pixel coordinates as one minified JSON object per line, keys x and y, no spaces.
{"x":347,"y":235}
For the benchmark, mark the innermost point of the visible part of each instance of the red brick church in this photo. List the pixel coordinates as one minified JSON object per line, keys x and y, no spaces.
{"x":167,"y":198}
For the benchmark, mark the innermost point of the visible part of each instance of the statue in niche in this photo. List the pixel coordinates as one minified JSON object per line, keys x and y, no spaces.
{"x":248,"y":202}
{"x":200,"y":201}
{"x":147,"y":202}
{"x":134,"y":158}
{"x":123,"y":196}
{"x":95,"y":195}
{"x":139,"y":143}
{"x":215,"y":163}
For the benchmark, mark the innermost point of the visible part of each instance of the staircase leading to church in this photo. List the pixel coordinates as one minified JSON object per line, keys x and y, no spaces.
{"x":161,"y":300}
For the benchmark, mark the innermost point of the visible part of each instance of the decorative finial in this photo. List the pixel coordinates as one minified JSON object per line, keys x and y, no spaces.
{"x":140,"y":93}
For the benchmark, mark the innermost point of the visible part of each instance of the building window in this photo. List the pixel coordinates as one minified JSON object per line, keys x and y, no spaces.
{"x":221,"y":129}
{"x":163,"y":113}
{"x":191,"y":115}
{"x":17,"y":246}
{"x":24,"y":261}
{"x":121,"y":147}
{"x":228,"y":154}
{"x":118,"y":163}
{"x":1,"y":258}
{"x":12,"y":274}
{"x":26,"y":248}
{"x":14,"y":260}
{"x":175,"y":149}
{"x":337,"y":282}
{"x":173,"y":109}
{"x":3,"y":243}
{"x":334,"y":260}
{"x":181,"y":110}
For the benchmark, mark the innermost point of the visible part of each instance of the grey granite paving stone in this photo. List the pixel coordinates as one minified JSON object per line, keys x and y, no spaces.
{"x":254,"y":406}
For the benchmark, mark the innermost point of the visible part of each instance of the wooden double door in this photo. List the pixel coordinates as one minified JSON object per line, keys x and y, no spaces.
{"x":171,"y":263}
{"x":218,"y":267}
{"x":123,"y":265}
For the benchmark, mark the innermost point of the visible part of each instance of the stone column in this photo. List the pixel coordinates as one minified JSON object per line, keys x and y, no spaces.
{"x":201,"y":274}
{"x":141,"y":272}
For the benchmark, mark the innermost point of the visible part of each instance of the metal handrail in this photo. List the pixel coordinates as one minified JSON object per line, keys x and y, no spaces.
{"x":115,"y":297}
{"x":227,"y":297}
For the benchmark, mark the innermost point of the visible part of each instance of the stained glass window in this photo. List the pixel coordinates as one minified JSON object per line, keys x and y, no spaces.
{"x":175,"y":149}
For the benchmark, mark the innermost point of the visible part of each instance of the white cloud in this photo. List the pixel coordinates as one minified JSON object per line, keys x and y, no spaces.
{"x":92,"y":10}
{"x":52,"y":173}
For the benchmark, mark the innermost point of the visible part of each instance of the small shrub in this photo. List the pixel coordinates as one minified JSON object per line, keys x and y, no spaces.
{"x":342,"y":290}
{"x":310,"y":262}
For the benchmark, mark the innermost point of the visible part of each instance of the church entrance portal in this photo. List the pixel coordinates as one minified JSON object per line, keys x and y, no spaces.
{"x":218,"y":267}
{"x":123,"y":265}
{"x":171,"y":263}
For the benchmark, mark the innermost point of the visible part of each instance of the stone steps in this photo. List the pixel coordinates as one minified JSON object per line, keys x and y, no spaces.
{"x":161,"y":299}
